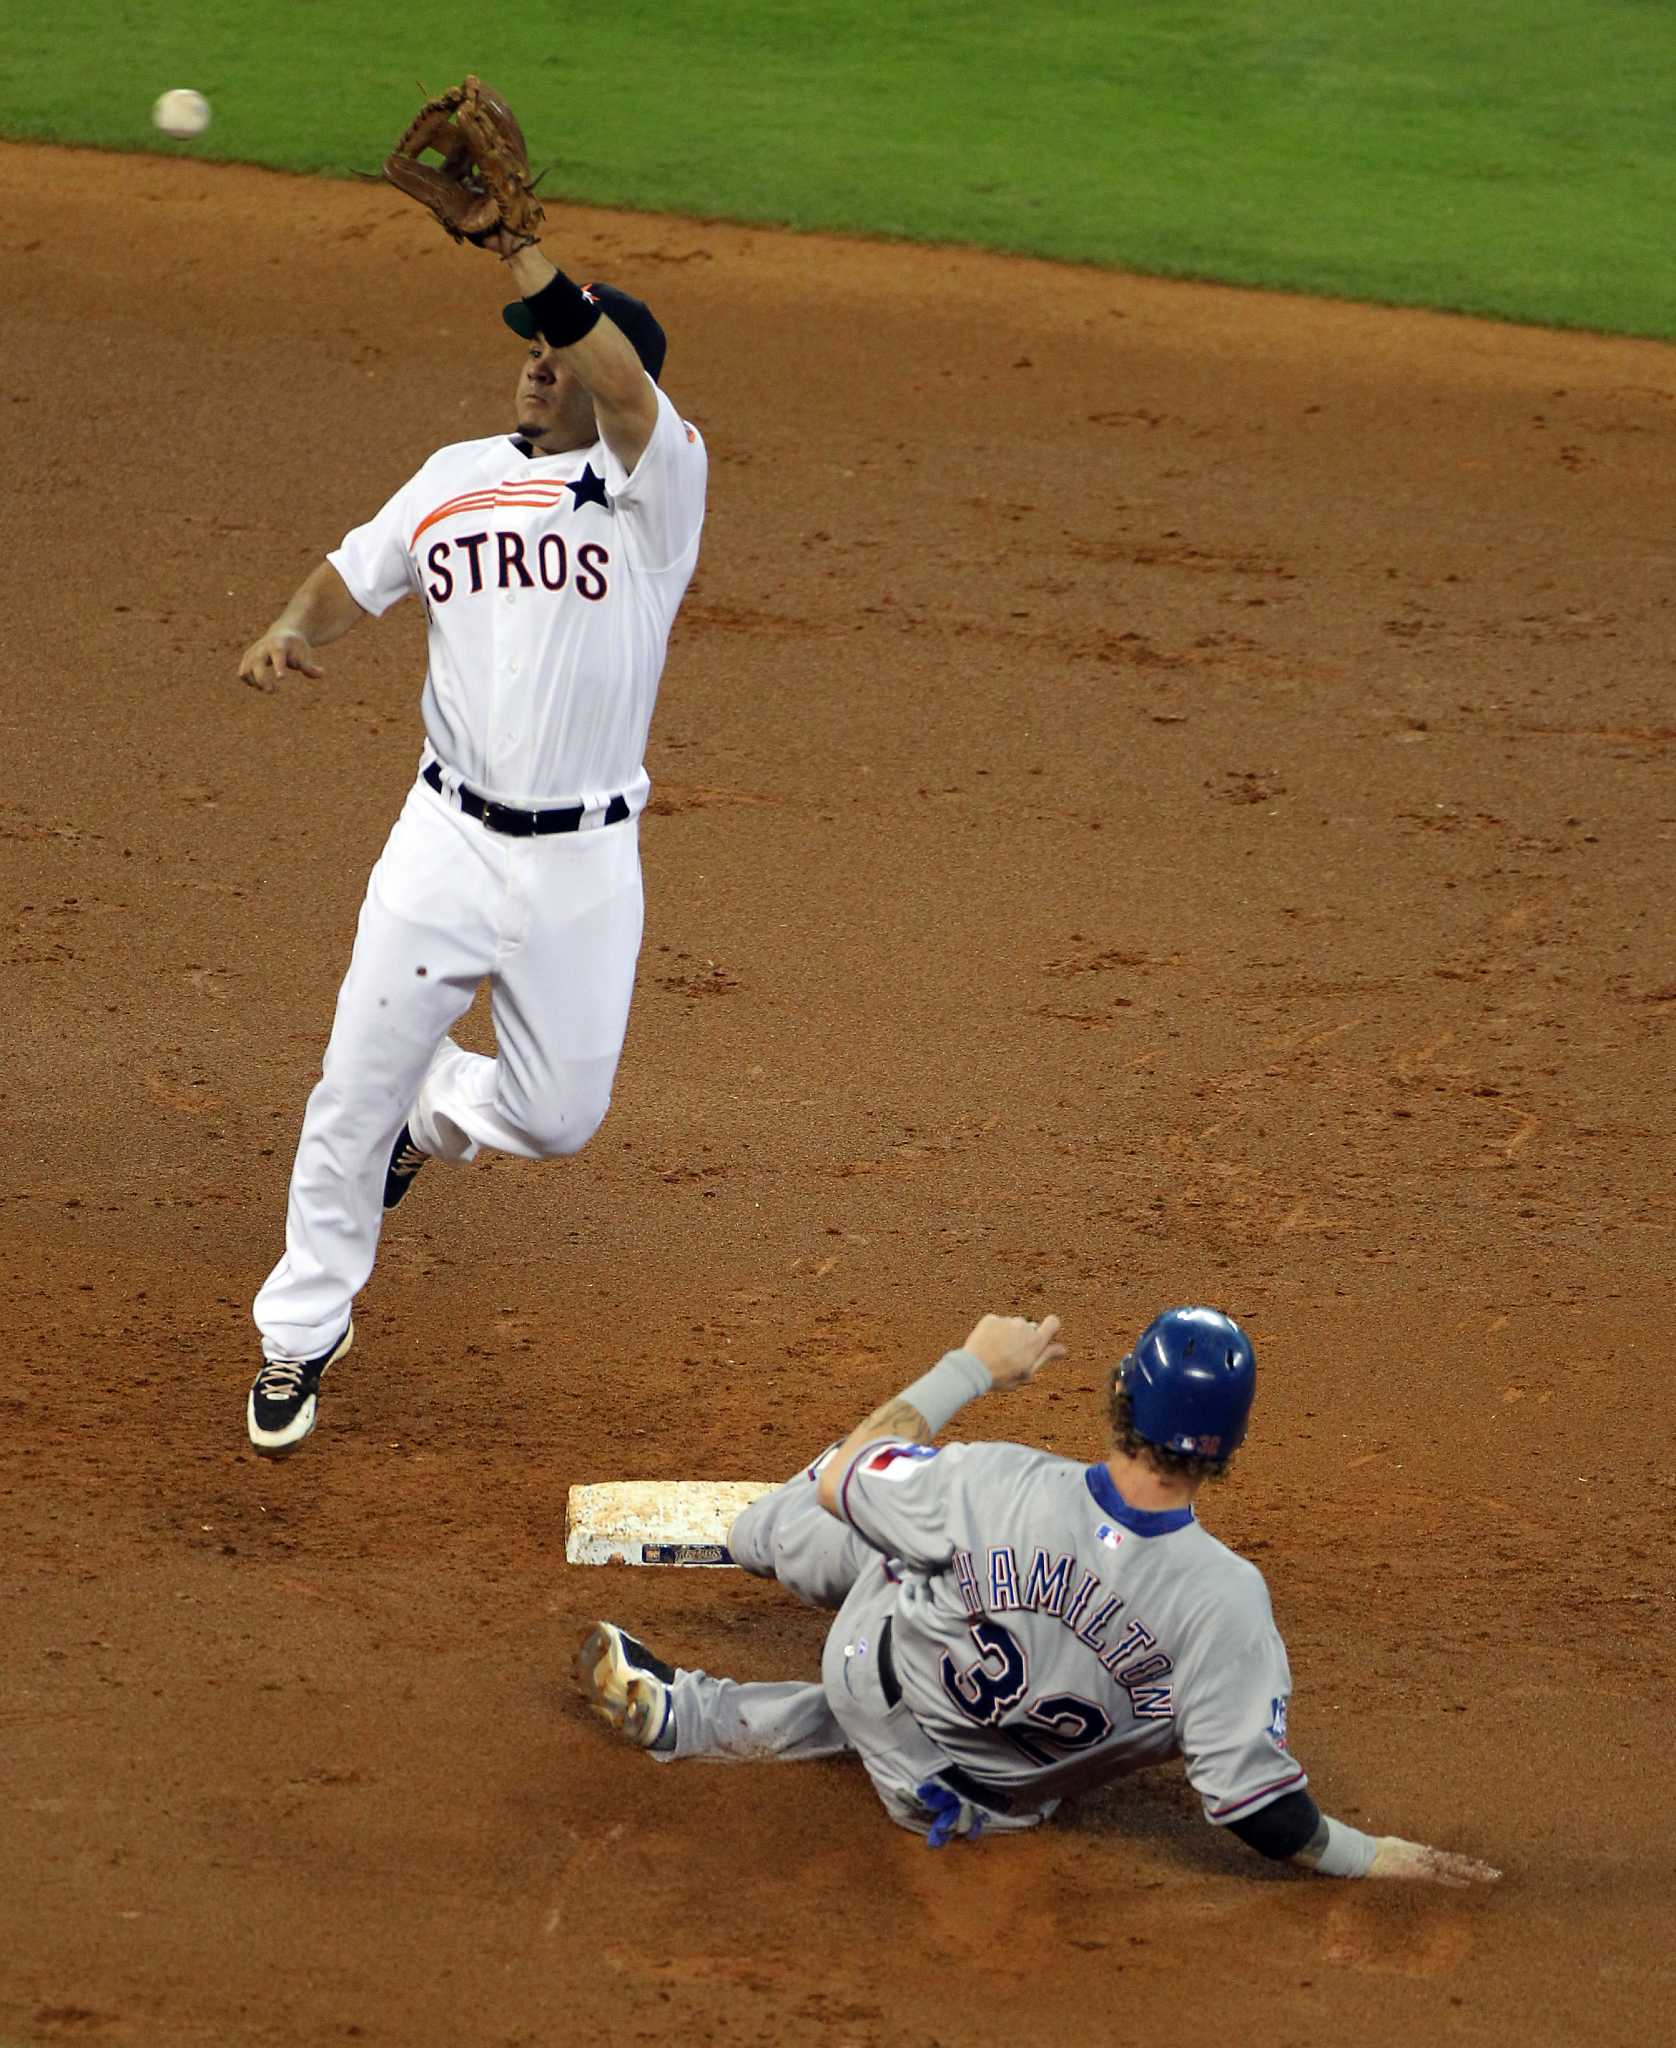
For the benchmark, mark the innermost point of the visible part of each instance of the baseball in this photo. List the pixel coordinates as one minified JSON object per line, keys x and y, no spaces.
{"x":181,"y":113}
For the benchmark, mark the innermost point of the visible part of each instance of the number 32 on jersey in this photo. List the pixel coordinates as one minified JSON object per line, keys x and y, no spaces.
{"x":994,"y":1683}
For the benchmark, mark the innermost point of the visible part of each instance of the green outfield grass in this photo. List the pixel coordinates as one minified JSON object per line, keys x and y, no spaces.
{"x":1515,"y":157}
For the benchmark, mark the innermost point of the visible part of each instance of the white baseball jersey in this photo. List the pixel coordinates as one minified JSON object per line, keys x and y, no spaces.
{"x":1048,"y":1636}
{"x":550,"y":583}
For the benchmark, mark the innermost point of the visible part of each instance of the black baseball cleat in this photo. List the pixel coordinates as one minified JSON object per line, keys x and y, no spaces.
{"x":626,"y":1685}
{"x":286,"y":1397}
{"x":405,"y":1162}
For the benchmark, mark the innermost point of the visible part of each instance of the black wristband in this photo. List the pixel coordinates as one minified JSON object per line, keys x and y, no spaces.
{"x":562,"y":312}
{"x":1281,"y":1828}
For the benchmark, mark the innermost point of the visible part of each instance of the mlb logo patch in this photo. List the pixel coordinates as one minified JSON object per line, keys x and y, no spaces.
{"x":1109,"y":1536}
{"x":896,"y":1461}
{"x":1277,"y":1724}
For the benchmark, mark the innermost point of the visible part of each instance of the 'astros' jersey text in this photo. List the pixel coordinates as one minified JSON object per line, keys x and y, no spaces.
{"x":550,"y":583}
{"x":1048,"y":1636}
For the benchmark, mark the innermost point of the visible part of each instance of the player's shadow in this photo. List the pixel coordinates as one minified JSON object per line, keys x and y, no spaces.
{"x":1160,"y":1809}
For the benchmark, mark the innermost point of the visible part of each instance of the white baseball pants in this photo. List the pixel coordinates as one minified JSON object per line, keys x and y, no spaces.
{"x":554,"y":925}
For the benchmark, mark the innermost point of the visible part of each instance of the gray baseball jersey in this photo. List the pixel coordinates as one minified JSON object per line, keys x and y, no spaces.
{"x":1049,"y":1637}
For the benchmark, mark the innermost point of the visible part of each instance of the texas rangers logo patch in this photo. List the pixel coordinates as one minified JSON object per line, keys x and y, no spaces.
{"x":1277,"y":1723}
{"x":896,"y":1461}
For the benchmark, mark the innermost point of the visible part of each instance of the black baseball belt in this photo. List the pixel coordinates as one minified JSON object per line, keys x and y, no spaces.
{"x":959,"y":1781}
{"x":518,"y":824}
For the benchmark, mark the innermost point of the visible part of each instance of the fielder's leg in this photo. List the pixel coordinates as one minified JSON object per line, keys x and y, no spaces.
{"x":424,"y":940}
{"x":562,"y":981}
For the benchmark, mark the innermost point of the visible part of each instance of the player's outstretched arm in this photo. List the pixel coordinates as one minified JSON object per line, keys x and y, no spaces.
{"x":1294,"y":1829}
{"x":602,"y":360}
{"x":1002,"y":1352}
{"x":322,"y":611}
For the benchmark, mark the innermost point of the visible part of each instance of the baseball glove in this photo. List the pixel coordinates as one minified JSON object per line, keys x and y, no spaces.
{"x":483,"y":188}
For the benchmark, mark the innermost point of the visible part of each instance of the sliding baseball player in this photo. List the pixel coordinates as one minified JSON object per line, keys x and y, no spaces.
{"x":1013,"y":1628}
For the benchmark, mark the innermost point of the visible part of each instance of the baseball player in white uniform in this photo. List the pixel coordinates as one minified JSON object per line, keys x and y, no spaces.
{"x":1013,"y":1627}
{"x":550,"y":563}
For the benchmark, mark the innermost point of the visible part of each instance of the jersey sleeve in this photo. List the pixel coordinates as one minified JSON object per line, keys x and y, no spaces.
{"x":661,"y":500}
{"x":898,"y":1496}
{"x":375,"y":560}
{"x":1231,"y":1709}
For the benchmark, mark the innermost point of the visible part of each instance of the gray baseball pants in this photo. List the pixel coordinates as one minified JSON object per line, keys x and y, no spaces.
{"x":788,"y":1536}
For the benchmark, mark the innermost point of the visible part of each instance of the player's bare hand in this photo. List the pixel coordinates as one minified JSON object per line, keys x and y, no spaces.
{"x":1413,"y":1860}
{"x":276,"y":653}
{"x":1014,"y":1348}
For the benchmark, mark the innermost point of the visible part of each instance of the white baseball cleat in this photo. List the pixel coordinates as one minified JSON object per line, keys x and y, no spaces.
{"x":285,"y":1399}
{"x":628,"y":1686}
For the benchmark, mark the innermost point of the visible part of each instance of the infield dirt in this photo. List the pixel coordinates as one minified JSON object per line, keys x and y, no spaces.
{"x":1161,"y":794}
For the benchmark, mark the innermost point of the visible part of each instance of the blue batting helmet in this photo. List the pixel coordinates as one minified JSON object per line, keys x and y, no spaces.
{"x":1190,"y":1379}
